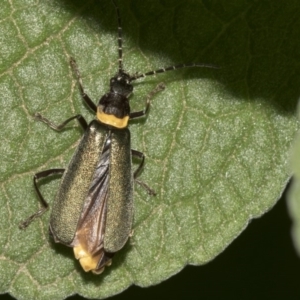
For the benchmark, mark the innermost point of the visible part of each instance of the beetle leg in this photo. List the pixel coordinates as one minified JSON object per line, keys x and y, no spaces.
{"x":44,"y":203}
{"x":141,"y":113}
{"x":85,"y":97}
{"x":81,"y":120}
{"x":141,"y":156}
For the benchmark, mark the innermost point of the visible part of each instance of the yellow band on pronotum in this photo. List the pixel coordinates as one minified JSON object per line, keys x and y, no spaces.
{"x":112,"y":120}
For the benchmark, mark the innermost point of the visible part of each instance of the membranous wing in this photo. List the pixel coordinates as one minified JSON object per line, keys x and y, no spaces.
{"x":88,"y":242}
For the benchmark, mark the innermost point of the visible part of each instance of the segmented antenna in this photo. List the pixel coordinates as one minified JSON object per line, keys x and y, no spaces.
{"x":162,"y":70}
{"x":120,"y":39}
{"x":171,"y":68}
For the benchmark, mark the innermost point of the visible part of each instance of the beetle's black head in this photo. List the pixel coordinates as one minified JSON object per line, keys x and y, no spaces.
{"x":113,"y":108}
{"x":120,"y":84}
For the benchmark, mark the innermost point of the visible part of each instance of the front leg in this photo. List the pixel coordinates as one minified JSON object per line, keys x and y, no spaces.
{"x":85,"y":97}
{"x":141,"y":113}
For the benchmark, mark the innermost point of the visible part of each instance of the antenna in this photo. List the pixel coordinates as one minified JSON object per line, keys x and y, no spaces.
{"x":162,"y":70}
{"x":120,"y":38}
{"x":172,"y":68}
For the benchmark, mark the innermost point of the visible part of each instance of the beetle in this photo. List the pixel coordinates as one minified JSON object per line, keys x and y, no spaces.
{"x":93,"y":208}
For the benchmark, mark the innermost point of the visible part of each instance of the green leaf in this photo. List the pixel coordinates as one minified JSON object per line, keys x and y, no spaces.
{"x":294,"y":193}
{"x":216,"y":141}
